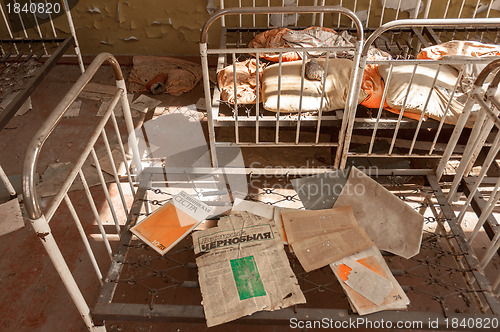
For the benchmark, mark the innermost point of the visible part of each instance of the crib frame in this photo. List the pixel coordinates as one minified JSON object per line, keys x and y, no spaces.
{"x":480,"y":288}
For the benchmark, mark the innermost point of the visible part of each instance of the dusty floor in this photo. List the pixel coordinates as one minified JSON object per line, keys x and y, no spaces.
{"x":33,"y":297}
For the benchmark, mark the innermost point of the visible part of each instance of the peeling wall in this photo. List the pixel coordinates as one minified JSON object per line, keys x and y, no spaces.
{"x":172,"y":27}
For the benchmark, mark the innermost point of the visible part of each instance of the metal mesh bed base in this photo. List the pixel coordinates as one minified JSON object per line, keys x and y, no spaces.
{"x":442,"y":281}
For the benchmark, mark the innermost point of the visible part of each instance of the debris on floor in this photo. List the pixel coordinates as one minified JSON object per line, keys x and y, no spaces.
{"x":11,"y":217}
{"x":55,"y":175}
{"x":144,"y":103}
{"x":176,"y":76}
{"x":118,"y":109}
{"x":245,"y":254}
{"x":369,"y":283}
{"x":392,"y":224}
{"x":321,"y":237}
{"x":168,"y":225}
{"x":96,"y":91}
{"x":201,"y":105}
{"x":27,"y":106}
{"x":119,"y":164}
{"x":74,"y":109}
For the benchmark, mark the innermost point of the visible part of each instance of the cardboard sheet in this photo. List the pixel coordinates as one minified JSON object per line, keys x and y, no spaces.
{"x":304,"y":224}
{"x":257,"y":208}
{"x":321,"y":250}
{"x":244,"y":269}
{"x":371,"y":258}
{"x":392,"y":224}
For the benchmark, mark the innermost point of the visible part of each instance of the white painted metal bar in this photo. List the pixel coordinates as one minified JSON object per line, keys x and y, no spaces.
{"x":484,"y":168}
{"x":398,"y":10}
{"x":301,"y":97}
{"x":257,"y":97}
{"x":81,"y":160}
{"x":40,"y":226}
{"x":368,"y":14}
{"x":491,"y":251}
{"x":105,"y":190}
{"x":253,"y":16}
{"x":422,"y":115}
{"x":354,"y":10}
{"x":22,"y":23}
{"x":340,"y":16}
{"x":52,"y":23}
{"x":322,"y":15}
{"x":235,"y":106}
{"x":96,"y":213}
{"x":278,"y":102}
{"x":445,"y":114}
{"x":39,"y":31}
{"x":321,"y":104}
{"x":8,"y":26}
{"x":241,"y":23}
{"x":85,"y":240}
{"x":67,"y":9}
{"x":5,"y":179}
{"x":382,"y":14}
{"x":123,"y":153}
{"x":490,"y":206}
{"x":379,"y":114}
{"x":113,"y":168}
{"x":403,"y":107}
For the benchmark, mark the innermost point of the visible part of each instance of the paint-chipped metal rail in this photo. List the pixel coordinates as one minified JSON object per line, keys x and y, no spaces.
{"x":258,"y":117}
{"x":455,"y":126}
{"x":90,"y":153}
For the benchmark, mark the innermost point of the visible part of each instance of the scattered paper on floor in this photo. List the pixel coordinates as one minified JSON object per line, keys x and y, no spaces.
{"x":144,"y":103}
{"x":11,"y":217}
{"x":120,"y":166}
{"x":96,"y":91}
{"x":244,"y":269}
{"x":74,"y":109}
{"x":27,"y":106}
{"x":358,"y":293}
{"x":257,"y":208}
{"x":118,"y":108}
{"x":392,"y":224}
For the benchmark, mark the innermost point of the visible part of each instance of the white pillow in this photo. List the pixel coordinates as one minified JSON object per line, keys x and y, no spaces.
{"x":337,"y":87}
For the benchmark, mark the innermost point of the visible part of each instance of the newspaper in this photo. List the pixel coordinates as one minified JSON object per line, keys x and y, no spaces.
{"x":243,"y":269}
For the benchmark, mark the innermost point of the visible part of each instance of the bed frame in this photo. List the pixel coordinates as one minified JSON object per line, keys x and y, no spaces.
{"x":458,"y":284}
{"x":19,"y":50}
{"x":403,"y":39}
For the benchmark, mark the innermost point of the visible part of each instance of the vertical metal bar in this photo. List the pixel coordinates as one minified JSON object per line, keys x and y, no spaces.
{"x":379,"y":114}
{"x":301,"y":97}
{"x":340,"y":15}
{"x":241,"y":23}
{"x":282,"y":15}
{"x":297,"y":15}
{"x":52,"y":23}
{"x":280,"y":63}
{"x":402,"y":110}
{"x":457,"y":131}
{"x":73,"y":33}
{"x":398,"y":9}
{"x":448,"y":105}
{"x":223,"y":18}
{"x":208,"y":103}
{"x":368,"y":14}
{"x":322,"y":15}
{"x":382,"y":14}
{"x":257,"y":96}
{"x":490,"y":251}
{"x":484,"y":168}
{"x":96,"y":214}
{"x":106,"y":191}
{"x":39,"y":31}
{"x":122,"y":150}
{"x":268,"y":15}
{"x":354,"y":10}
{"x":115,"y":172}
{"x":446,"y":9}
{"x":5,"y":179}
{"x":321,"y":104}
{"x":431,"y":89}
{"x":41,"y":226}
{"x":235,"y":106}
{"x":85,"y":240}
{"x":8,"y":27}
{"x":490,"y":205}
{"x":253,"y":16}
{"x":461,"y":9}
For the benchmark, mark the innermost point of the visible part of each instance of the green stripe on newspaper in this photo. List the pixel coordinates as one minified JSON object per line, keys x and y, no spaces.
{"x":247,"y":278}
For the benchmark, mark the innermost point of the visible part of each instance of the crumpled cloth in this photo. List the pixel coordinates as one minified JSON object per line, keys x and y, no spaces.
{"x":246,"y":81}
{"x":459,"y":47}
{"x":310,"y":37}
{"x":182,"y":75}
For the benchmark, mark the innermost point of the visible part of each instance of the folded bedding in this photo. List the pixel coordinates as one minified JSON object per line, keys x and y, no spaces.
{"x":337,"y":84}
{"x":310,"y":37}
{"x":246,"y":81}
{"x":459,"y":47}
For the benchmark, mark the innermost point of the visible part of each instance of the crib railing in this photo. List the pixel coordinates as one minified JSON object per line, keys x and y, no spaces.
{"x":255,"y":118}
{"x":480,"y":190}
{"x":414,"y":148}
{"x":106,"y":132}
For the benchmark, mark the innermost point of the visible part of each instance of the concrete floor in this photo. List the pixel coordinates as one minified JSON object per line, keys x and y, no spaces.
{"x":33,"y":297}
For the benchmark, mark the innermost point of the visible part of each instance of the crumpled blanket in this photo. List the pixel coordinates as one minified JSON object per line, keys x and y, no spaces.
{"x":181,"y":75}
{"x":246,"y":81}
{"x":310,"y":37}
{"x":459,"y":47}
